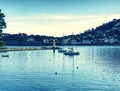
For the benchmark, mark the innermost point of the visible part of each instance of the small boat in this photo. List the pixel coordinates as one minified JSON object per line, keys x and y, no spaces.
{"x":5,"y":55}
{"x":71,"y":53}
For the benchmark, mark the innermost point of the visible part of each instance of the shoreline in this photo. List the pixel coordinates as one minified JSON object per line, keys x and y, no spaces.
{"x":5,"y":49}
{"x":26,"y":49}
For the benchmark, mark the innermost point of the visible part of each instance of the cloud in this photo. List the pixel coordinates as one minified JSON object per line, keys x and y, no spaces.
{"x":55,"y":25}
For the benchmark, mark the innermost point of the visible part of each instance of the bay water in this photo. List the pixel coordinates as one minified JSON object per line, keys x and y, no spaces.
{"x":97,"y":68}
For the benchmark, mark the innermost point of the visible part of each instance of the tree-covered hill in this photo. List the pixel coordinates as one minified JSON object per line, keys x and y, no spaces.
{"x":108,"y":33}
{"x":23,"y":39}
{"x":105,"y":34}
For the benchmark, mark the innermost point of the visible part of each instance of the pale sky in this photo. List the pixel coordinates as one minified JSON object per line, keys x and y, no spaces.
{"x":55,"y":17}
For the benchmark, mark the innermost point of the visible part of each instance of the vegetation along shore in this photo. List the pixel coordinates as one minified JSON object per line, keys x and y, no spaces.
{"x":106,"y":34}
{"x":26,"y":49}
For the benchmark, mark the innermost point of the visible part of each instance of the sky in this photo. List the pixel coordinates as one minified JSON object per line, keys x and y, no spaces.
{"x":57,"y":17}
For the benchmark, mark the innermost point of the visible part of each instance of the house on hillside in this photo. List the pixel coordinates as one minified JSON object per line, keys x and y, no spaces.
{"x":74,"y":42}
{"x":86,"y":42}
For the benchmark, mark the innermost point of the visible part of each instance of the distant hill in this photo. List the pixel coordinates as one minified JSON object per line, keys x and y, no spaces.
{"x":106,"y":34}
{"x":23,"y":39}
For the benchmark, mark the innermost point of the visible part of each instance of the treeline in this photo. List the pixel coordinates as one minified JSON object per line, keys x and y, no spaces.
{"x":23,"y":39}
{"x":106,"y":34}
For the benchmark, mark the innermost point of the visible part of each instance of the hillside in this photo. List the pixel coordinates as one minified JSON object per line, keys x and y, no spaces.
{"x":22,"y":39}
{"x":106,"y":34}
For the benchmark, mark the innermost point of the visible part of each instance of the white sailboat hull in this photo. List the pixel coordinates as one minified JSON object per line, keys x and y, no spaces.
{"x":71,"y":53}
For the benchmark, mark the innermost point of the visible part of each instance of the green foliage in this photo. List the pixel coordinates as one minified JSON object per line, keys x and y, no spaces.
{"x":2,"y":26}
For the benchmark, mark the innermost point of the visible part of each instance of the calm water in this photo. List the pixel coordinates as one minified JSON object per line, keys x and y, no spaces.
{"x":95,"y":69}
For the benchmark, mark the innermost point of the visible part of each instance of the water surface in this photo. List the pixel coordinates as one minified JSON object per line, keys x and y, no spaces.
{"x":97,"y":68}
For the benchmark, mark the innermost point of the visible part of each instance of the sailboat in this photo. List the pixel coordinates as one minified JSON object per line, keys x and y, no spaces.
{"x":71,"y":51}
{"x":62,"y":50}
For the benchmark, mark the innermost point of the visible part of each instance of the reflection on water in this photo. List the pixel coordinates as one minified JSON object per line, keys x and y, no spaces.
{"x":96,"y":68}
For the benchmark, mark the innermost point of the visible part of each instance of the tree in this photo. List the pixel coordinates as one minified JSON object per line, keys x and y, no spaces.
{"x":2,"y":26}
